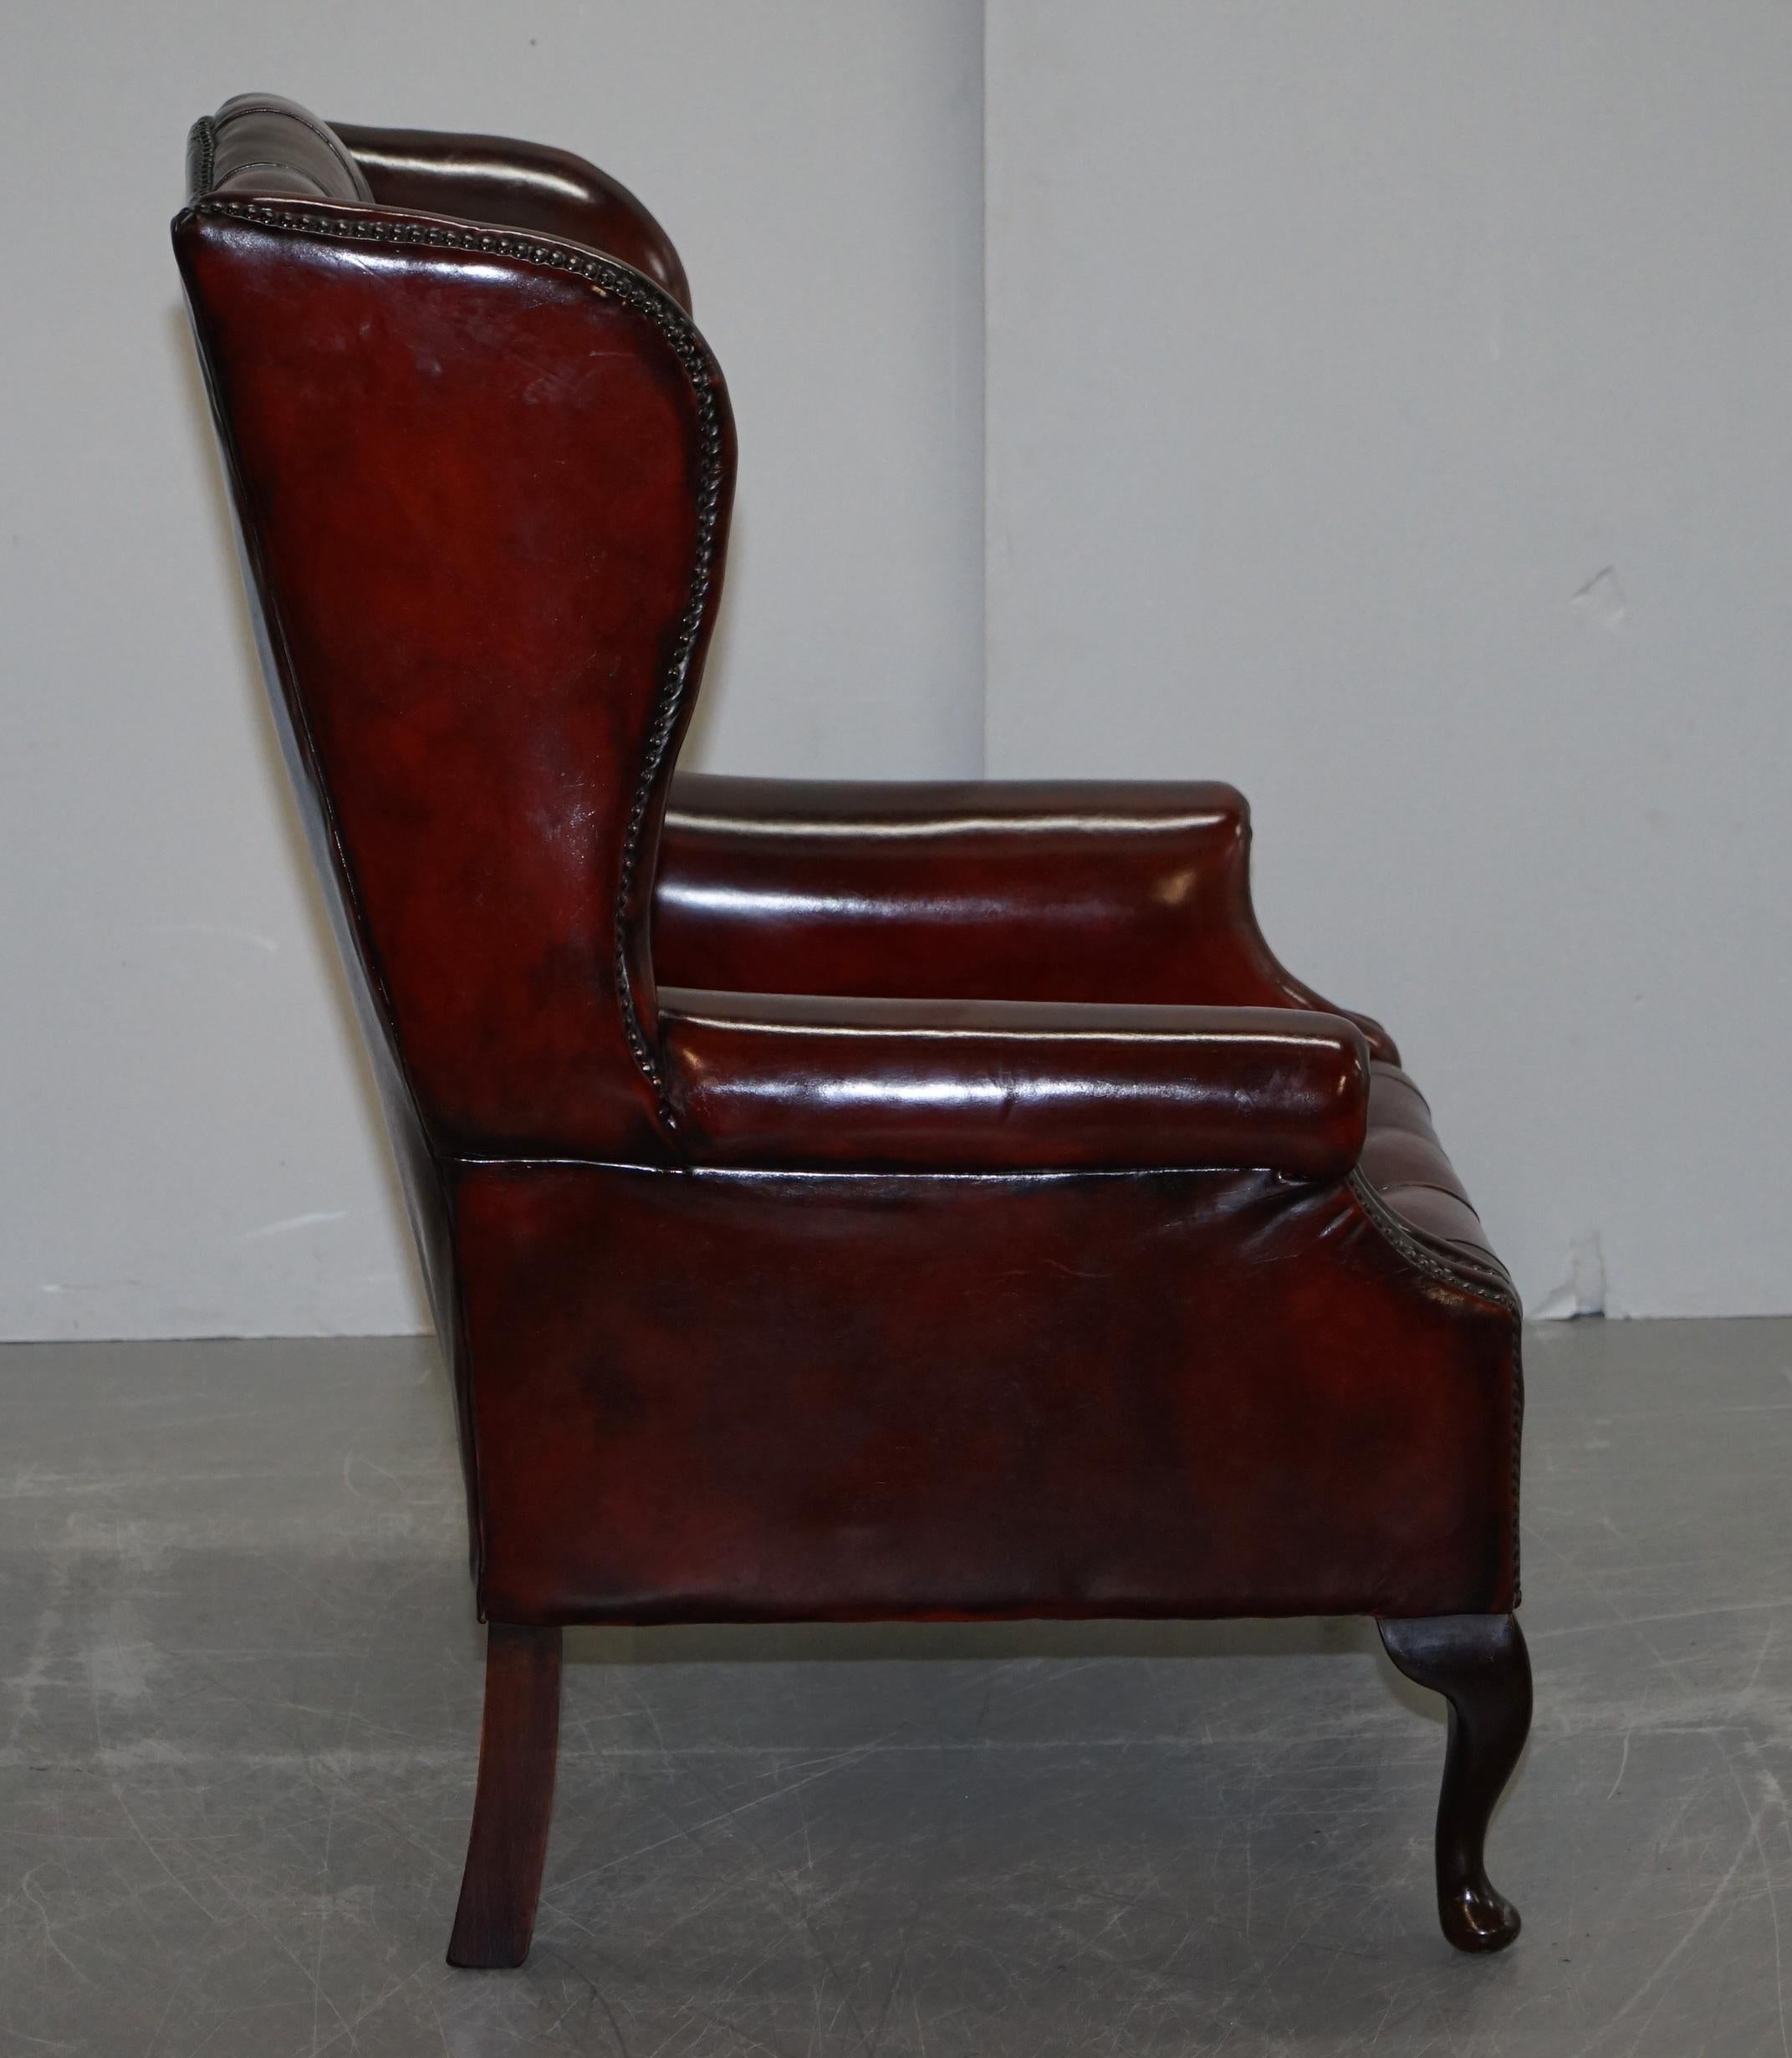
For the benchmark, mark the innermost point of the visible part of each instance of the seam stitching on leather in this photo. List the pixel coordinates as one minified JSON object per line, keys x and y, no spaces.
{"x":1467,"y":1281}
{"x":201,"y":150}
{"x":634,"y":290}
{"x":1470,"y":1279}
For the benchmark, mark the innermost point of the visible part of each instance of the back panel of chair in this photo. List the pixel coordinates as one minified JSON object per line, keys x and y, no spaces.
{"x":483,"y":479}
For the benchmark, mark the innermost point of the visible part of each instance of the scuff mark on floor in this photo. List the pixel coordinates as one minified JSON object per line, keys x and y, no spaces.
{"x":1583,"y":1291}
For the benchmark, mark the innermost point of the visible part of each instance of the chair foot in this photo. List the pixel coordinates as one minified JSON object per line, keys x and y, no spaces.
{"x":1478,"y":1663}
{"x":517,"y":1743}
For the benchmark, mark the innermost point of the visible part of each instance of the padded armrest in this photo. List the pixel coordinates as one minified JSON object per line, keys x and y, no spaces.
{"x":779,"y":1081}
{"x":1057,"y":890}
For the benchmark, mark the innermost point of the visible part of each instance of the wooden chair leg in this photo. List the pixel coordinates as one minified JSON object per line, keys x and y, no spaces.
{"x":1478,"y":1663}
{"x":517,"y":1742}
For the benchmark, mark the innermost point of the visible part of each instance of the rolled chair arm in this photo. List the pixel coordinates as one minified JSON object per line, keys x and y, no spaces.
{"x":783,"y":1081}
{"x":1060,"y":890}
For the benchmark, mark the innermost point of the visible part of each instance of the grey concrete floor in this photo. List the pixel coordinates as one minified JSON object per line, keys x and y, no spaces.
{"x":240,"y":1707}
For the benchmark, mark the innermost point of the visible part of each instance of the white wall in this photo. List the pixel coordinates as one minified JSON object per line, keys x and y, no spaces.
{"x":188,"y":1143}
{"x":1390,"y":410}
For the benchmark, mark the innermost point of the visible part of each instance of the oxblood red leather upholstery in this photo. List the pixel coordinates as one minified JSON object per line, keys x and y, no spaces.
{"x":1017,"y":890}
{"x":259,"y":143}
{"x":786,"y":1081}
{"x":499,"y":178}
{"x":854,"y":1200}
{"x":723,"y":1395}
{"x":1403,"y":1160}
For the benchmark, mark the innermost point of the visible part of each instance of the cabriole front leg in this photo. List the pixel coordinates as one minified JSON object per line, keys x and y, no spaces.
{"x":519,"y":1740}
{"x":1480,"y":1664}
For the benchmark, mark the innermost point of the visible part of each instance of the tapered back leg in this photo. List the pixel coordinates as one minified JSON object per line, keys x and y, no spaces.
{"x":518,"y":1742}
{"x":1480,"y":1664}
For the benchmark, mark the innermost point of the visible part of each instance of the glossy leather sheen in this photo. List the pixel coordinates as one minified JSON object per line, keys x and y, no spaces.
{"x":859,"y":1200}
{"x":987,"y":891}
{"x":471,"y":485}
{"x":258,"y":143}
{"x":712,"y":1396}
{"x":497,"y":179}
{"x":1403,"y":1160}
{"x":791,"y":1080}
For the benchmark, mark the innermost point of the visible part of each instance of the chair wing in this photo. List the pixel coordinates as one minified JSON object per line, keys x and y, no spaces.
{"x":483,"y":486}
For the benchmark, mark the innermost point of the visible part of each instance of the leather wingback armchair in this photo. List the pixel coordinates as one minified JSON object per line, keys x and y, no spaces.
{"x":837,"y":1201}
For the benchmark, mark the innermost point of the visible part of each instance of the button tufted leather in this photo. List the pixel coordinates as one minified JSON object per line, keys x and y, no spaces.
{"x":1403,"y":1160}
{"x":258,"y":143}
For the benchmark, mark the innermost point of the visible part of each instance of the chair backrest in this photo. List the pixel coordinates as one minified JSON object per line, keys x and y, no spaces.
{"x":497,"y":178}
{"x":482,"y":474}
{"x":259,"y":143}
